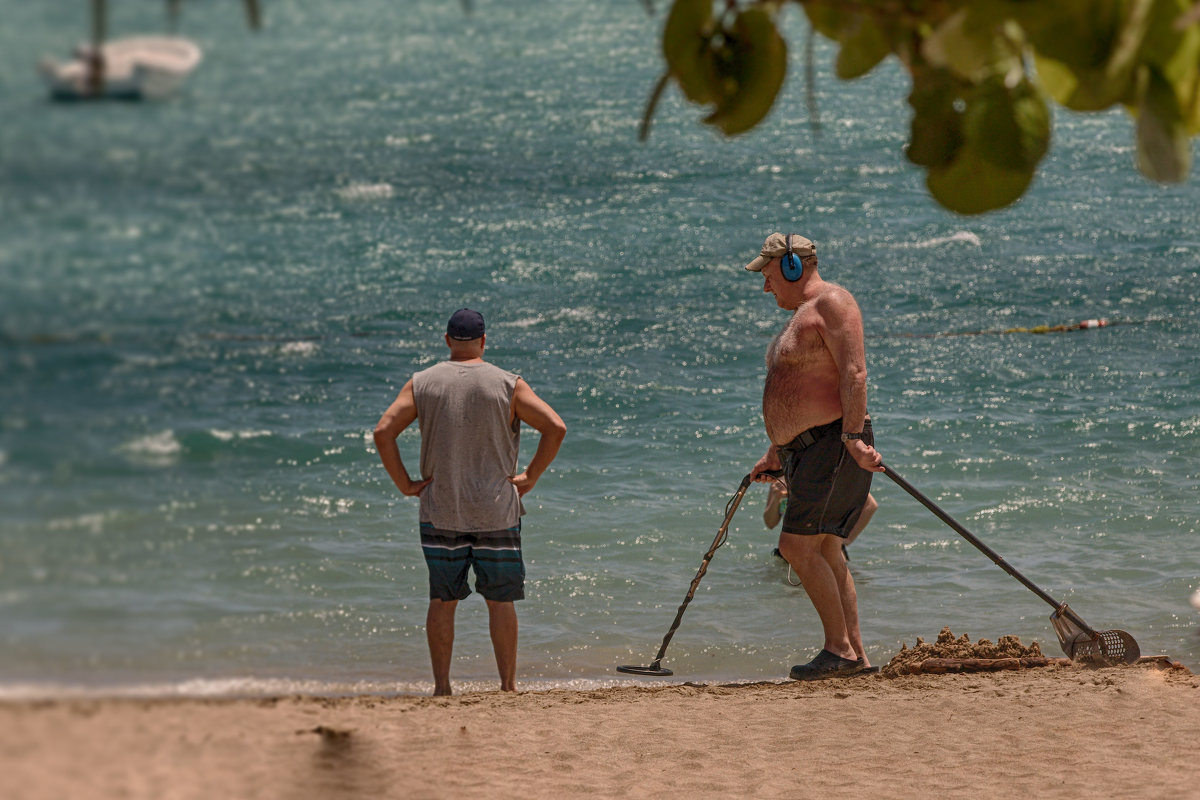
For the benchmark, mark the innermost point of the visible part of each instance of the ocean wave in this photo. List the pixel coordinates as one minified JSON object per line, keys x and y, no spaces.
{"x":154,"y":448}
{"x":299,"y":348}
{"x":365,"y":191}
{"x":169,"y":447}
{"x":525,"y":322}
{"x":91,"y":522}
{"x":407,"y":141}
{"x":229,"y":436}
{"x":963,"y":237}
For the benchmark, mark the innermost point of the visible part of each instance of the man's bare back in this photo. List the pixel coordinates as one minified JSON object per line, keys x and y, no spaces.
{"x":803,"y":384}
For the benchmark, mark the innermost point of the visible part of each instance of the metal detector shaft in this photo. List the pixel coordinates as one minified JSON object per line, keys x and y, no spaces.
{"x":987,"y":551}
{"x":731,"y":507}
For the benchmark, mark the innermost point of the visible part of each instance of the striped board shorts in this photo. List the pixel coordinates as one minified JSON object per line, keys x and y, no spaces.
{"x":494,"y":555}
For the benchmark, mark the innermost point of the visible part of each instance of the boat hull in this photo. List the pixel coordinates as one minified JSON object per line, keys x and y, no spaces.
{"x":135,"y":68}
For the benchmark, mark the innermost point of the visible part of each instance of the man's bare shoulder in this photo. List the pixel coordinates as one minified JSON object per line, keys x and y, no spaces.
{"x":834,"y":299}
{"x":835,"y":291}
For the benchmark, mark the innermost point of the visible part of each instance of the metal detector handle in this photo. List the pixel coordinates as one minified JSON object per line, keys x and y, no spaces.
{"x":719,"y":540}
{"x":987,"y":551}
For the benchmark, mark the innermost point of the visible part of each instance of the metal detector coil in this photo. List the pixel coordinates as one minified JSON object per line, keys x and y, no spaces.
{"x":655,"y":668}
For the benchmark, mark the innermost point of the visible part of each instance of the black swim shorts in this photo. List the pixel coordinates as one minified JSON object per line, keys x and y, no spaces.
{"x":827,"y":489}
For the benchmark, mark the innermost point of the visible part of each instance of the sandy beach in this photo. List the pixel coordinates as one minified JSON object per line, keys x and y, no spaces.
{"x":1054,"y":731}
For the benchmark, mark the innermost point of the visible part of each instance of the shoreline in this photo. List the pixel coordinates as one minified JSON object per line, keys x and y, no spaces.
{"x":1057,"y":731}
{"x":254,"y":689}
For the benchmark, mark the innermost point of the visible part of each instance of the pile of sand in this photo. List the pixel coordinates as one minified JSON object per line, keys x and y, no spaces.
{"x":907,"y":660}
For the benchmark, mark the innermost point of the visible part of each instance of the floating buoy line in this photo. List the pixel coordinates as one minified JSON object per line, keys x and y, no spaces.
{"x":1085,"y":325}
{"x":103,"y":337}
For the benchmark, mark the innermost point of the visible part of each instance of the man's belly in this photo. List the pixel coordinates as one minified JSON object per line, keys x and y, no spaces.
{"x":792,"y":406}
{"x":781,"y":432}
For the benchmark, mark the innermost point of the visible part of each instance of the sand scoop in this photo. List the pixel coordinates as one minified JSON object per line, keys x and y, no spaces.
{"x":1079,"y":641}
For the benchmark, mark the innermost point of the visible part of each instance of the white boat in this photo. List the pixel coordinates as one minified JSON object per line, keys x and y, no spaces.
{"x":135,"y":68}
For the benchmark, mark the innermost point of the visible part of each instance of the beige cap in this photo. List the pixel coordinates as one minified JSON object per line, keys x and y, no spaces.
{"x":776,"y":245}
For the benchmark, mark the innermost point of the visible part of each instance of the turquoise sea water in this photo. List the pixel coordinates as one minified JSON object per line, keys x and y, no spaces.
{"x":206,"y":304}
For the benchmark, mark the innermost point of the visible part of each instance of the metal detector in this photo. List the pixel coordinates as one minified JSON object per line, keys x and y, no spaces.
{"x":1078,"y":640}
{"x":655,"y":668}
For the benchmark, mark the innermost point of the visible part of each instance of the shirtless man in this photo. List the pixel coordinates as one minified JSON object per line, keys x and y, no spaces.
{"x":815,"y":411}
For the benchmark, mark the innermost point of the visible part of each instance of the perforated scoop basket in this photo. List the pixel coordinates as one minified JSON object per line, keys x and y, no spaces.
{"x":1099,"y":648}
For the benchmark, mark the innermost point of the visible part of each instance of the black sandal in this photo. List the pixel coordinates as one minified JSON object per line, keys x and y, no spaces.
{"x":825,"y":665}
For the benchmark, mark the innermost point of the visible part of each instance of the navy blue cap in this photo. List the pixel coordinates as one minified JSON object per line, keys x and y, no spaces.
{"x":465,"y":325}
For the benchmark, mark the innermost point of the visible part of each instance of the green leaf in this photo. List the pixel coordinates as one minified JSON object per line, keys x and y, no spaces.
{"x":686,"y":44}
{"x":1163,"y":148}
{"x":1173,"y":49}
{"x":936,"y":131}
{"x":964,"y":45}
{"x":1008,"y":127}
{"x":862,"y":49}
{"x":1127,"y":46}
{"x":1175,"y":52}
{"x":754,"y":73}
{"x":1082,"y":89}
{"x":1056,"y":78}
{"x":831,"y":20}
{"x":1189,"y":90}
{"x":1097,"y":43}
{"x":1080,"y":34}
{"x":971,"y":184}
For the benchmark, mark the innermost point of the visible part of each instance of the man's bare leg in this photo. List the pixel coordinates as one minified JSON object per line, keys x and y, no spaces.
{"x":805,"y":555}
{"x":831,"y":551}
{"x":502,"y":624}
{"x":439,"y":630}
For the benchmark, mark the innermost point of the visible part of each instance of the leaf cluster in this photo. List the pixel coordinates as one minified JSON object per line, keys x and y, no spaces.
{"x":734,"y":61}
{"x":983,"y":74}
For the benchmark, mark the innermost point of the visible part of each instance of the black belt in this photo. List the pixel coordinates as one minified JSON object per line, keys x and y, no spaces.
{"x":808,"y":438}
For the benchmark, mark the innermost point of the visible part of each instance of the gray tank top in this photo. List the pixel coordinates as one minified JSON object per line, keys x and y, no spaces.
{"x":468,"y":446}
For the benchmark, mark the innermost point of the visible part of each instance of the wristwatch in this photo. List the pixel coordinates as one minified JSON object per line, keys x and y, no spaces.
{"x":848,"y":436}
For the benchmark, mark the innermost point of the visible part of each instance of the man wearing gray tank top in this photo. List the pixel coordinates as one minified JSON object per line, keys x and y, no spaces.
{"x":470,"y":414}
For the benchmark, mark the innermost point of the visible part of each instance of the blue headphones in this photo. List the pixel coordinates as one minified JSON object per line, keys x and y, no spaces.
{"x":791,"y":265}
